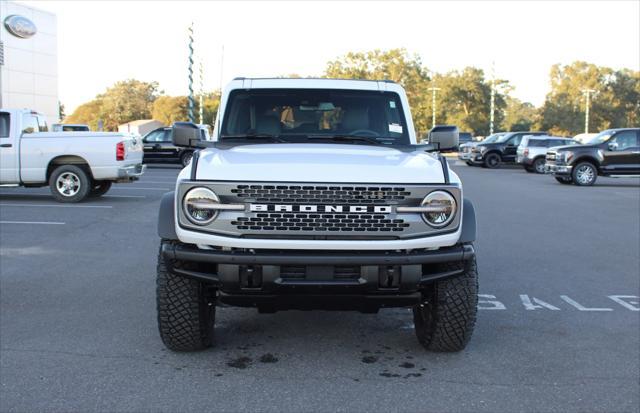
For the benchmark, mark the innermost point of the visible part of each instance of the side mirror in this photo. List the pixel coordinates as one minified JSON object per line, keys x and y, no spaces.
{"x":185,"y":134}
{"x":613,"y":146}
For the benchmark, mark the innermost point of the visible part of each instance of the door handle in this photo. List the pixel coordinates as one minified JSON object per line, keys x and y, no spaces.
{"x":6,"y":145}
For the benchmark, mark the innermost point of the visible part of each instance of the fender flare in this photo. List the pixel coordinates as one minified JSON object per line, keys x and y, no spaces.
{"x":468,"y":223}
{"x":166,"y":217}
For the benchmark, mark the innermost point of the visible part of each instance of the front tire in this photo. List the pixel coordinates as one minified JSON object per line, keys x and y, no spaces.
{"x":584,"y":174}
{"x":69,"y":183}
{"x":186,"y":309}
{"x":538,"y":165}
{"x":492,"y":161}
{"x":100,"y":188}
{"x":445,"y":319}
{"x":565,"y":180}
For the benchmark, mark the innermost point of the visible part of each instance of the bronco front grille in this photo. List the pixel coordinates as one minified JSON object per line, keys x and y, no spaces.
{"x":320,"y":193}
{"x":320,"y":222}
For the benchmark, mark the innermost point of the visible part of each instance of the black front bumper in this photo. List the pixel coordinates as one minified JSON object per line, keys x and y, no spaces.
{"x":275,"y":279}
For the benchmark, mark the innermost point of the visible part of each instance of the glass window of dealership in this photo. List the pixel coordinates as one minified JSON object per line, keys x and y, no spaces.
{"x":28,"y":59}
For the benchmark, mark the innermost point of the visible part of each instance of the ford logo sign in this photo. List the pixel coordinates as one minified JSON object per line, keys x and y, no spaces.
{"x":20,"y":26}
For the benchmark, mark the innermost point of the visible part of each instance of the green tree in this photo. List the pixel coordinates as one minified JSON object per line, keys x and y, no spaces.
{"x":518,"y":115}
{"x":88,"y":113}
{"x":169,"y":109}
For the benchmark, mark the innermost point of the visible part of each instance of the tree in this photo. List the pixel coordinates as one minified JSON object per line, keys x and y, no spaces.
{"x":518,"y":115}
{"x":88,"y":113}
{"x":61,"y":114}
{"x":169,"y":109}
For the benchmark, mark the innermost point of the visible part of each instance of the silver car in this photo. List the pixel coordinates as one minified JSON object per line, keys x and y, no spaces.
{"x":533,"y":149}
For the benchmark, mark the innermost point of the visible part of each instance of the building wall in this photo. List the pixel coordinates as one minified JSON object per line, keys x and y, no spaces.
{"x":29,"y":76}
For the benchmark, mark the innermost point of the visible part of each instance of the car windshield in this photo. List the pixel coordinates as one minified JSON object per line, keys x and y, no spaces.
{"x":599,"y":138}
{"x":492,"y":138}
{"x":503,"y":138}
{"x":307,"y":115}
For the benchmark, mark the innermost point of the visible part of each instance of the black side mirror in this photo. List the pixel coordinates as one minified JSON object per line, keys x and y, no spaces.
{"x":185,"y":134}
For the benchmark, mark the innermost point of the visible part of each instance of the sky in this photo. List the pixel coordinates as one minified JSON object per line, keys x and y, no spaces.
{"x":101,"y":42}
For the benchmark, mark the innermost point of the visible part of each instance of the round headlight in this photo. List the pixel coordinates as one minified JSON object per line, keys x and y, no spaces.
{"x":443,"y":208}
{"x":197,"y":203}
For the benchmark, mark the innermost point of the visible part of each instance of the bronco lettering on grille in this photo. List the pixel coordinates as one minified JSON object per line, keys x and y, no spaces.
{"x":377,"y":209}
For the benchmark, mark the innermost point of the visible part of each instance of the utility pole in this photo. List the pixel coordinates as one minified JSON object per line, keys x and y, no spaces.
{"x":433,"y":105}
{"x":587,"y":93}
{"x":493,"y":96}
{"x":191,"y":99}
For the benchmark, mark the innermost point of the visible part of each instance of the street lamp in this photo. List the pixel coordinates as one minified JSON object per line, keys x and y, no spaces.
{"x":433,"y":105}
{"x":587,"y":93}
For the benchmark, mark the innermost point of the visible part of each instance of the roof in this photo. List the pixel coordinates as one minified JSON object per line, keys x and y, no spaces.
{"x":314,"y":78}
{"x":314,"y":83}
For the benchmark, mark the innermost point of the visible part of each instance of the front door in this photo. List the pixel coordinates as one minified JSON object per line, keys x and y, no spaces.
{"x":510,"y":149}
{"x":8,"y":152}
{"x":621,"y":153}
{"x":153,"y":145}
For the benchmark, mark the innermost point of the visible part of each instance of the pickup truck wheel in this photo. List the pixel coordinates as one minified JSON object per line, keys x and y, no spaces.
{"x":186,"y":310}
{"x":564,"y":180}
{"x":100,"y":188}
{"x":492,"y":161}
{"x":69,"y":183}
{"x":185,"y":158}
{"x":584,"y":174}
{"x":538,"y":165}
{"x":444,"y":321}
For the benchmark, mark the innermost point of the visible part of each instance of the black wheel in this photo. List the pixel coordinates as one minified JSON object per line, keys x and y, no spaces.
{"x":186,"y":309}
{"x":69,"y":183}
{"x":529,"y":169}
{"x":584,"y":174}
{"x":469,"y":163}
{"x":565,"y":180}
{"x":492,"y":161}
{"x":100,"y":188}
{"x":538,"y":165}
{"x":185,"y":158}
{"x":444,"y":321}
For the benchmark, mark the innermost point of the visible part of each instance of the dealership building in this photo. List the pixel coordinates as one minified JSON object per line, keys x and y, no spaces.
{"x":28,"y":59}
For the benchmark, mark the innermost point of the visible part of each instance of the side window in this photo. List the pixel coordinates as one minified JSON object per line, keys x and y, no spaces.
{"x":155,"y":136}
{"x":623,"y":141}
{"x":29,"y":123}
{"x":166,"y":136}
{"x":515,"y":141}
{"x":4,"y":125}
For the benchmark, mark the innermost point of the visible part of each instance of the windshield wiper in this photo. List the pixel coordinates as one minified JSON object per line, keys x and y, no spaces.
{"x":347,"y":138}
{"x":250,"y":136}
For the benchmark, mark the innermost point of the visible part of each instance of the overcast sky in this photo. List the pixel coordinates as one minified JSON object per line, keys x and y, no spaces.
{"x":103,"y":42}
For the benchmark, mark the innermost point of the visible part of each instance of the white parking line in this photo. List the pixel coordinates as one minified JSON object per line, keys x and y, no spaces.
{"x":49,"y":196}
{"x":4,"y":204}
{"x":123,"y":196}
{"x":32,"y":222}
{"x":154,"y":182}
{"x":142,"y":189}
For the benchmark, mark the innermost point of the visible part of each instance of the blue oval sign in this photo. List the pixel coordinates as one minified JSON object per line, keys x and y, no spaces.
{"x":20,"y":26}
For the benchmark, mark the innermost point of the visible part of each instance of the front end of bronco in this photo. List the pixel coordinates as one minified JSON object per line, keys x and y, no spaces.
{"x":317,"y":225}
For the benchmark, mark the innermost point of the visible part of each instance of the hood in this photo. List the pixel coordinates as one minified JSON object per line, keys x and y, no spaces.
{"x":310,"y":162}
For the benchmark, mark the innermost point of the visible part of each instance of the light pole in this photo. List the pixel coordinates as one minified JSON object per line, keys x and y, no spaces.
{"x":433,"y":105}
{"x":201,"y":92}
{"x":493,"y":97}
{"x":191,"y":99}
{"x":587,"y":93}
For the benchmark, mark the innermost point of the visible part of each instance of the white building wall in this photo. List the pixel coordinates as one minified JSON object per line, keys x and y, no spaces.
{"x":29,"y":76}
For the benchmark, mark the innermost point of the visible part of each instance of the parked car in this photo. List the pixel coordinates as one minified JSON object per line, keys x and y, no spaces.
{"x":348,"y":214}
{"x":75,"y":165}
{"x":502,"y":150}
{"x":464,"y":137}
{"x":613,"y":152}
{"x":532,"y":150}
{"x":465,"y":149}
{"x":159,"y":148}
{"x":445,"y":136}
{"x":68,"y":127}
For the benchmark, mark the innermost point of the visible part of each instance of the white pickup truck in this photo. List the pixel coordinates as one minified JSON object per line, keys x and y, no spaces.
{"x":75,"y":165}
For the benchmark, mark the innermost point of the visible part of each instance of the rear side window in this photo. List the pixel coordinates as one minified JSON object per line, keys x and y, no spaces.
{"x":537,"y":143}
{"x":4,"y":125}
{"x":30,"y":123}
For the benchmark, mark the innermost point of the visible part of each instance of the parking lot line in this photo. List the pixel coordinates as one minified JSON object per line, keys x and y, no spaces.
{"x":32,"y":222}
{"x":142,"y":188}
{"x":4,"y":204}
{"x":123,"y":196}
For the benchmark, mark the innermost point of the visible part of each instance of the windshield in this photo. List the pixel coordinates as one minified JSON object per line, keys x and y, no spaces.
{"x":300,"y":115}
{"x":492,"y":138}
{"x":503,"y":138}
{"x":599,"y":138}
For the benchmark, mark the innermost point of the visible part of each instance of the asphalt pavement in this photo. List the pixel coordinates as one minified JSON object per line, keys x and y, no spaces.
{"x":558,"y":327}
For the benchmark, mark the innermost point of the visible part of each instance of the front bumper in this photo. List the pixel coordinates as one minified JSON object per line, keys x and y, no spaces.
{"x":131,"y":172}
{"x":346,"y":280}
{"x":464,"y":156}
{"x":554,"y":169}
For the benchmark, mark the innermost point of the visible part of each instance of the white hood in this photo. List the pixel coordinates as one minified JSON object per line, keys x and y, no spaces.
{"x":318,"y":163}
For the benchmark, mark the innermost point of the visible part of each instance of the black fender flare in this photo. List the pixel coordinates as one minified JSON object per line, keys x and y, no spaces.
{"x":166,"y":217}
{"x":468,"y":223}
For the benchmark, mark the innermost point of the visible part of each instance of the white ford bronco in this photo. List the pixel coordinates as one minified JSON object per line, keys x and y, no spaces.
{"x":315,"y":195}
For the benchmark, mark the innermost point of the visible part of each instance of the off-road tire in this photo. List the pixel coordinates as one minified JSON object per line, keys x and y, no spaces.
{"x":185,"y":158}
{"x":492,"y":161}
{"x":575,"y":174}
{"x":100,"y":188}
{"x":186,"y":309}
{"x":444,"y":321}
{"x":84,"y":183}
{"x":537,"y":168}
{"x":564,"y":180}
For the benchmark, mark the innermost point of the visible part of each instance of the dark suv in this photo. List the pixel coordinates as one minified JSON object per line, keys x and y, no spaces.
{"x":613,"y":152}
{"x":491,"y":155}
